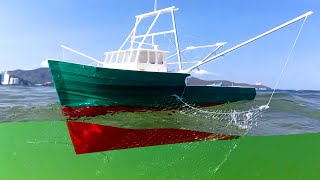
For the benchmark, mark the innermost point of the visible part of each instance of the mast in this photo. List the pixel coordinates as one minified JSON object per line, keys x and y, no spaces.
{"x":247,"y":42}
{"x":155,"y":5}
{"x":137,"y":38}
{"x":176,"y":40}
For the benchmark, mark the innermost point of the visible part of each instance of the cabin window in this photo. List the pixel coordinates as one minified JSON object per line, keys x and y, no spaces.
{"x":127,"y":55}
{"x":143,"y":57}
{"x":120,"y":56}
{"x":160,"y":58}
{"x":133,"y":56}
{"x":107,"y":59}
{"x":113,"y":58}
{"x":123,"y":57}
{"x":152,"y":57}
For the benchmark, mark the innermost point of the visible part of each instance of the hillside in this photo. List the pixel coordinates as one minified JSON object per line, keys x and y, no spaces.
{"x":42,"y":76}
{"x":32,"y":77}
{"x":196,"y":81}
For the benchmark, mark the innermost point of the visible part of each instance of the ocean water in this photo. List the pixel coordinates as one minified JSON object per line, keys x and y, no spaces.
{"x":290,"y":112}
{"x":35,"y":143}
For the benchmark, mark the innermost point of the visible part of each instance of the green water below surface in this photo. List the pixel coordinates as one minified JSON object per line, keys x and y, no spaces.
{"x":35,"y":144}
{"x":43,"y":150}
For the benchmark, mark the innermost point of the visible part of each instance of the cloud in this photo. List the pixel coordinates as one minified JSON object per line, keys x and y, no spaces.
{"x":203,"y":72}
{"x":44,"y":63}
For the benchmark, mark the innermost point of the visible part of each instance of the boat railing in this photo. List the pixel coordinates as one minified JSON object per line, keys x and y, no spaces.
{"x":121,"y":56}
{"x":136,"y":56}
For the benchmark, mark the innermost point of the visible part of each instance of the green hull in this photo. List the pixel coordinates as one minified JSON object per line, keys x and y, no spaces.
{"x":43,"y":150}
{"x":81,"y":86}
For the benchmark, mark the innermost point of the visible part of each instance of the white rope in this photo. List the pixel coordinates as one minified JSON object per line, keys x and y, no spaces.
{"x":260,"y":108}
{"x":287,"y":61}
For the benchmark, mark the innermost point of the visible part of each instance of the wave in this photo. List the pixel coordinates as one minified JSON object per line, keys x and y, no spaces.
{"x":31,"y":113}
{"x":290,"y":111}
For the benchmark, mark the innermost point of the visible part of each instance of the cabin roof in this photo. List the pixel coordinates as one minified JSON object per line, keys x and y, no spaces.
{"x":138,"y":49}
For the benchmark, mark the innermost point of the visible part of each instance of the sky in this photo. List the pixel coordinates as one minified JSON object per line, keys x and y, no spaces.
{"x":32,"y":31}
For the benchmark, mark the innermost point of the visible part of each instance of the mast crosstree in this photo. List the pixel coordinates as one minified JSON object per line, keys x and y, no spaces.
{"x":136,"y":53}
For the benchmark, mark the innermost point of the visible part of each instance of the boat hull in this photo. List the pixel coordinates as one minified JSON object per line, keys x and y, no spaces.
{"x":81,"y":86}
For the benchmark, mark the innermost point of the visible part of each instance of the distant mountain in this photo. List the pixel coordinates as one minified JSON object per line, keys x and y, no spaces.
{"x":42,"y":76}
{"x":201,"y":82}
{"x":33,"y":77}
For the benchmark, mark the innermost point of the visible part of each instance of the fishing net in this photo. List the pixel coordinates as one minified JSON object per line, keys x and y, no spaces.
{"x":227,"y":117}
{"x":188,"y":160}
{"x":161,"y":152}
{"x":231,"y":120}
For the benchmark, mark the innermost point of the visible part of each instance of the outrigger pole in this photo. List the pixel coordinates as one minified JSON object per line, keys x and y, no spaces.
{"x":81,"y":54}
{"x":246,"y":42}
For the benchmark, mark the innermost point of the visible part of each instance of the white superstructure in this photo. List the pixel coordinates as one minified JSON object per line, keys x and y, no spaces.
{"x":141,"y":52}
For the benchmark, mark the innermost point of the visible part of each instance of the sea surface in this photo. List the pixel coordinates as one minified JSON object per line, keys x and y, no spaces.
{"x":290,"y":112}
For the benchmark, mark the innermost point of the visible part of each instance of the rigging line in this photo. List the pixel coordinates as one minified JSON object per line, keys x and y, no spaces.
{"x":169,"y":39}
{"x":287,"y":61}
{"x":185,"y":86}
{"x":175,"y":45}
{"x":260,"y":108}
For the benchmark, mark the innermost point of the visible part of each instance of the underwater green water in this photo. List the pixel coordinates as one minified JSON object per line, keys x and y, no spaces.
{"x":35,"y":144}
{"x":42,"y":150}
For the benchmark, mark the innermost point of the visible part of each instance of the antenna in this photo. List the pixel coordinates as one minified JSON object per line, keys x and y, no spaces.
{"x":155,"y":5}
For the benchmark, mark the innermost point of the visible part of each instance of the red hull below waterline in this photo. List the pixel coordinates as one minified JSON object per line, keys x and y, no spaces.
{"x":89,"y":137}
{"x":92,"y":111}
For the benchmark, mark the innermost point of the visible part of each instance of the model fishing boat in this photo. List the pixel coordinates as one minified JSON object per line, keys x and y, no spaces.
{"x":136,"y":77}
